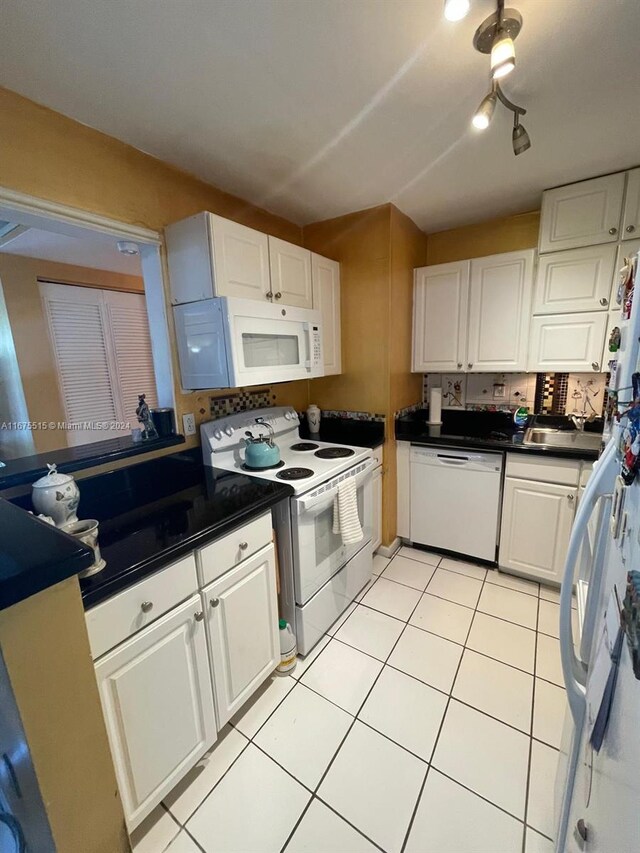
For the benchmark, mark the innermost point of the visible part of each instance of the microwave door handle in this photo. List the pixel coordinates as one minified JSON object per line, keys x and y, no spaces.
{"x":306,"y":328}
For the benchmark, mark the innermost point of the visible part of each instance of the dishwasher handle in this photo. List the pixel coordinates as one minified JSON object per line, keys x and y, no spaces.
{"x":448,"y":459}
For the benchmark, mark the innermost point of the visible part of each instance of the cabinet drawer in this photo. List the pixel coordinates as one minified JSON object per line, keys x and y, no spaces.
{"x":563,"y":471}
{"x":112,"y":621}
{"x":225,"y":553}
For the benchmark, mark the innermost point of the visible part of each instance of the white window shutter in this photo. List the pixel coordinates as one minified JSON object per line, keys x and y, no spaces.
{"x":129,"y":326}
{"x":77,"y":335}
{"x":103,"y":356}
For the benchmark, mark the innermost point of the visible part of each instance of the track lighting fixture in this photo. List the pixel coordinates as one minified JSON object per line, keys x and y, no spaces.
{"x":456,"y":10}
{"x":484,"y":113}
{"x":519,"y":136}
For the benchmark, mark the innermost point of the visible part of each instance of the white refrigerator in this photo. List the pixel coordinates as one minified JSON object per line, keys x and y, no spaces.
{"x":597,"y":792}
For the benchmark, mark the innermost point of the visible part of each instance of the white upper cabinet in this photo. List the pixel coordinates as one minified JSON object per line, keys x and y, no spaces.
{"x":575,"y":280}
{"x":211,"y":256}
{"x":290,"y":273}
{"x":440,"y":308}
{"x":582,"y":214}
{"x":631,"y":213}
{"x":499,"y":312}
{"x":240,"y":259}
{"x":570,"y":343}
{"x":325,"y":277}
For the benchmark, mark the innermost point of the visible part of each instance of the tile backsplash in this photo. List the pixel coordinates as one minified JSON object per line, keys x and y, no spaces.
{"x":482,"y":390}
{"x":566,"y":393}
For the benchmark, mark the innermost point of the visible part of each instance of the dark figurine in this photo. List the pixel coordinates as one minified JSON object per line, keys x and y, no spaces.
{"x":144,"y":417}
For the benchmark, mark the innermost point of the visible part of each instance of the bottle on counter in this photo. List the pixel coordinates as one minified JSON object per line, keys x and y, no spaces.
{"x":288,"y":649}
{"x":313,"y":419}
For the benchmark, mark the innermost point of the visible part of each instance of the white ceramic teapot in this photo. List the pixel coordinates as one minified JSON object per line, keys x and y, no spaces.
{"x":56,"y":495}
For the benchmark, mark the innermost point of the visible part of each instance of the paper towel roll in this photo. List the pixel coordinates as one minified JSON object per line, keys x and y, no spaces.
{"x":435,"y":406}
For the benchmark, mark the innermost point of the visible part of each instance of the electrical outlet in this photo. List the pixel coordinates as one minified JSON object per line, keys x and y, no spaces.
{"x":189,"y":424}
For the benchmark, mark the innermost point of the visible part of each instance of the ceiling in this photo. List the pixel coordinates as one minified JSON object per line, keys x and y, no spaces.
{"x":315,"y":109}
{"x":95,"y":253}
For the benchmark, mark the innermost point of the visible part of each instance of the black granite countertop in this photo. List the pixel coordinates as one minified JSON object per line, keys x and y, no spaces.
{"x":34,"y":555}
{"x":155,"y":512}
{"x":479,"y":430}
{"x":359,"y":433}
{"x":28,"y":469}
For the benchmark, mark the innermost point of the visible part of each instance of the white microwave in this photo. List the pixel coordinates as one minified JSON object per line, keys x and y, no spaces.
{"x":227,"y":342}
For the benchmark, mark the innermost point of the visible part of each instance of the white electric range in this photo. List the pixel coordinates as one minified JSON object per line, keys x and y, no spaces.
{"x":319,"y":575}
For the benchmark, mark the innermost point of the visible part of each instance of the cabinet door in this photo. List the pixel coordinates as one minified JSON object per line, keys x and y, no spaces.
{"x":536,"y":524}
{"x":440,"y":306}
{"x":499,"y":312}
{"x":582,"y":214}
{"x":325,"y":277}
{"x":631,"y":213}
{"x":242,"y":616}
{"x":571,"y":343}
{"x":376,"y":533}
{"x":158,"y":706}
{"x":240,"y":259}
{"x":577,"y":280}
{"x":290,"y":273}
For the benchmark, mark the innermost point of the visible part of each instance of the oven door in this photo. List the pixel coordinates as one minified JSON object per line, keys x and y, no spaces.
{"x":273,"y":343}
{"x":318,"y":552}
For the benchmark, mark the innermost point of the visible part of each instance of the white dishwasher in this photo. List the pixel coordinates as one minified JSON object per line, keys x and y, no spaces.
{"x":455,"y":500}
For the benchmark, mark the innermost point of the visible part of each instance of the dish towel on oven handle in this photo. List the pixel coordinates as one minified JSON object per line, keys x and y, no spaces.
{"x":346,"y":521}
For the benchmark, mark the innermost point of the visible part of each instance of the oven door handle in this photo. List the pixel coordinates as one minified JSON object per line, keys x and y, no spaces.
{"x":305,"y":503}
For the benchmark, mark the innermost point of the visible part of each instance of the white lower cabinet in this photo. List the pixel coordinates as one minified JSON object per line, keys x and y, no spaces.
{"x":376,"y":532}
{"x":158,"y":706}
{"x":536,"y":525}
{"x":242,"y":617}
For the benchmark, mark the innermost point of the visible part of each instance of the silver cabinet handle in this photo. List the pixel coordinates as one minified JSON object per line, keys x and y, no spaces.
{"x":244,"y":546}
{"x":613,"y":230}
{"x":214,"y":602}
{"x":459,"y":365}
{"x":470,"y":365}
{"x":198,"y":616}
{"x":278,"y":296}
{"x":269,"y":295}
{"x":571,"y":497}
{"x":604,"y":301}
{"x":630,"y":229}
{"x":595,"y":365}
{"x":146,"y":606}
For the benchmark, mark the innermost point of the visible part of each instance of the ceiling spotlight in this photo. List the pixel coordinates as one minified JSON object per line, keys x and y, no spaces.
{"x":484,"y":113}
{"x":455,"y":10}
{"x":126,"y":247}
{"x":496,"y":35}
{"x":519,"y":136}
{"x":503,"y":55}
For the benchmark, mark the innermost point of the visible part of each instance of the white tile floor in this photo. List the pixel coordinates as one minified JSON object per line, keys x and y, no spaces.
{"x":426,"y":721}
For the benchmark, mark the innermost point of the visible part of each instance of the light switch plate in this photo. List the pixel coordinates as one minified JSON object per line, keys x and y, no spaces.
{"x":189,"y":424}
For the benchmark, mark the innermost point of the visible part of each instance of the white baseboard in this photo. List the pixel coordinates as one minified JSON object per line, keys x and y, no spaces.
{"x":389,"y":550}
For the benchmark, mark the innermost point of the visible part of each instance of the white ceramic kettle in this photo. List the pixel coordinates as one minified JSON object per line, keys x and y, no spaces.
{"x":56,"y":495}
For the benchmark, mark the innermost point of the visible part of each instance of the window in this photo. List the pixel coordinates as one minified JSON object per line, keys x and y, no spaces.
{"x":102,"y":348}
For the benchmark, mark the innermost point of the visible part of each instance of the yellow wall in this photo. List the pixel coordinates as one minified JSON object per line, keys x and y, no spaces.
{"x":506,"y":234}
{"x":377,"y":250}
{"x":46,"y":652}
{"x":48,"y":155}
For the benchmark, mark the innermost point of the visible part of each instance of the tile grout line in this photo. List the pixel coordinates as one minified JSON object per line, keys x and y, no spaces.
{"x":440,"y":728}
{"x":347,"y":733}
{"x":533,"y":705}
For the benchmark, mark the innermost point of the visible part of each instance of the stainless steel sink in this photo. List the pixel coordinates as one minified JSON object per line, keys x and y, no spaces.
{"x":565,"y":439}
